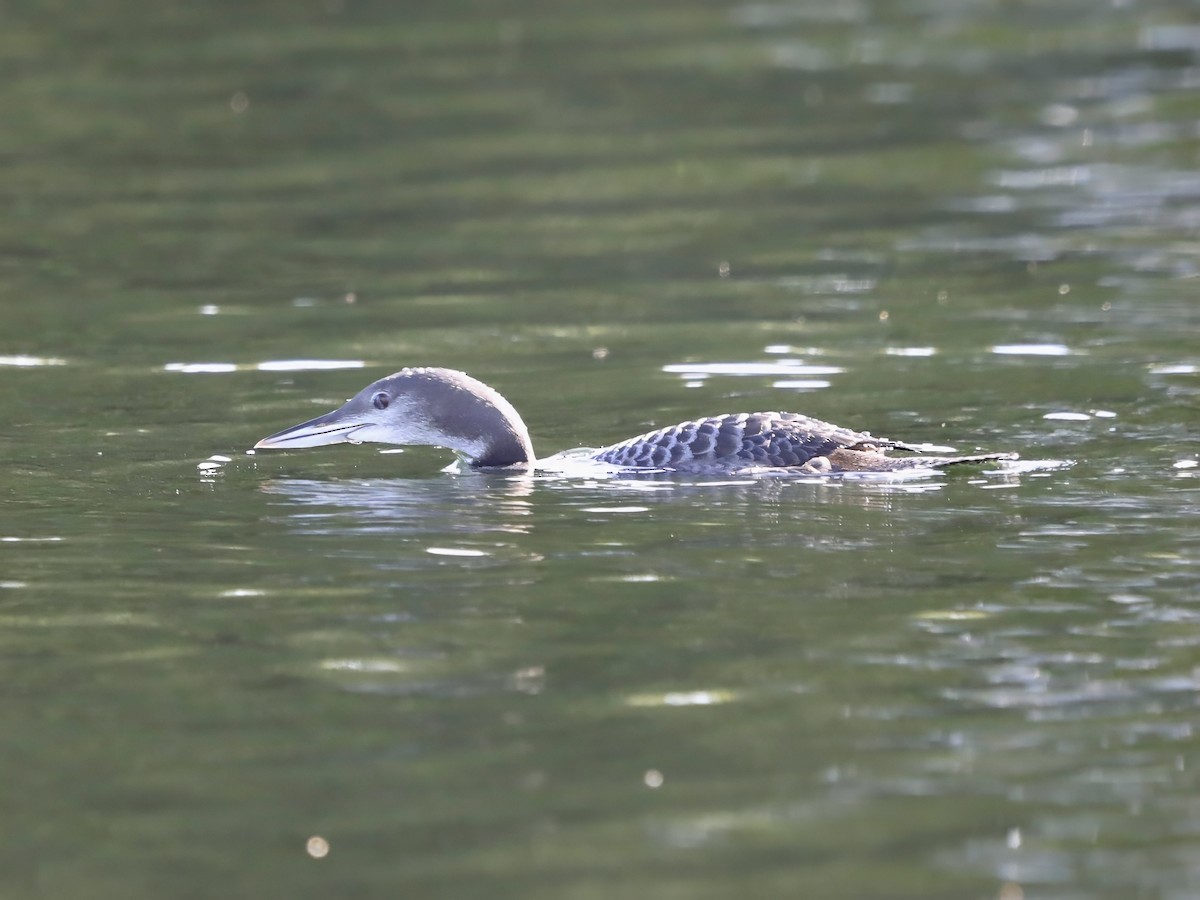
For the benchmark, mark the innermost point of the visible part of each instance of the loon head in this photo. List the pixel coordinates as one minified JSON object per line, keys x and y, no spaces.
{"x":438,"y":407}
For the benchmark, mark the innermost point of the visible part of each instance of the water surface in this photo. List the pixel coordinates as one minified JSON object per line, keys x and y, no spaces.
{"x":970,"y":225}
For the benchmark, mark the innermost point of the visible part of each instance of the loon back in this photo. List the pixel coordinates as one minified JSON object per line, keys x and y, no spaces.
{"x":740,"y":441}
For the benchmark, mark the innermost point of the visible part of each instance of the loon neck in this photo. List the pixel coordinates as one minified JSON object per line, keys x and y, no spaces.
{"x":469,"y":417}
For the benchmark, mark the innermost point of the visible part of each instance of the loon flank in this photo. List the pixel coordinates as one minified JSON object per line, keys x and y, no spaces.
{"x":450,"y":409}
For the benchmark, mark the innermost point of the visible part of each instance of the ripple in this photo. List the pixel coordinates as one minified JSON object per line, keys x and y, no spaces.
{"x":456,"y":551}
{"x":740,"y":369}
{"x":201,"y":368}
{"x":1033,"y":350}
{"x":79,"y":620}
{"x":367,"y":666}
{"x":271,"y":365}
{"x":307,"y":365}
{"x":214,"y":465}
{"x":27,"y":361}
{"x":1032,"y":179}
{"x":802,"y":384}
{"x":682,"y":698}
{"x":1170,"y":38}
{"x":828,"y":284}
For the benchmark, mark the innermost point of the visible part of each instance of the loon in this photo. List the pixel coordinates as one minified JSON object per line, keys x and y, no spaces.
{"x":446,"y":408}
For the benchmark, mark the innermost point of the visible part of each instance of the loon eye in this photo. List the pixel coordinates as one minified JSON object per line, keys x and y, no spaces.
{"x":381,"y":400}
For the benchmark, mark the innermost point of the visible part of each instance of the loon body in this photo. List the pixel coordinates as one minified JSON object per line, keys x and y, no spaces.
{"x":451,"y":409}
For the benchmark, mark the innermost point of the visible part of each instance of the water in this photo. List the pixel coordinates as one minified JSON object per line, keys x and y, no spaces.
{"x":968,"y":225}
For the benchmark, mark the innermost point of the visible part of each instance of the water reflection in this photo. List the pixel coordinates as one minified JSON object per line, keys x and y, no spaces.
{"x":26,"y":361}
{"x":270,"y":365}
{"x":476,"y":502}
{"x":445,"y":505}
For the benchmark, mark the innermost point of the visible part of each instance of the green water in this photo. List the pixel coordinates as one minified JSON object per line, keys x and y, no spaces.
{"x":965,"y":224}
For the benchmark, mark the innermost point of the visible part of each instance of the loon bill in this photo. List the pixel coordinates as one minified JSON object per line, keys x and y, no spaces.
{"x":445,"y":408}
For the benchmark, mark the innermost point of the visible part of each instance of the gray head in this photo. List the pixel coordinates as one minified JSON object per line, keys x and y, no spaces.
{"x":439,"y":407}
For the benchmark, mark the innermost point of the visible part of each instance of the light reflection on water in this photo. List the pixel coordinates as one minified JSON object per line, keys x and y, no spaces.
{"x":403,"y":506}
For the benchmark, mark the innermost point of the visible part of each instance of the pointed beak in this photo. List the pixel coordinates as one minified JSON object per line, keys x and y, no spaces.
{"x":331,"y":428}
